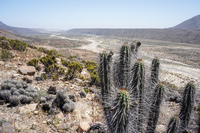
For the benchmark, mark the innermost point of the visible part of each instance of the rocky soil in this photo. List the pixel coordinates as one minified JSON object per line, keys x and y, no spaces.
{"x":88,"y":110}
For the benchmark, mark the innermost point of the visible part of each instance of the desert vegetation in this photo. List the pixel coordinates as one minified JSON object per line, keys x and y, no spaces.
{"x":133,"y":94}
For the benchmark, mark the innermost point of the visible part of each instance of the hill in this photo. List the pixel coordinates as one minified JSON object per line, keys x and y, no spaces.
{"x":172,"y":35}
{"x":11,"y":36}
{"x":16,"y":30}
{"x":191,"y":24}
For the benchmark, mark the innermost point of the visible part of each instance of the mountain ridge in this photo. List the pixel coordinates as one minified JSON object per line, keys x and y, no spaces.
{"x":189,"y":24}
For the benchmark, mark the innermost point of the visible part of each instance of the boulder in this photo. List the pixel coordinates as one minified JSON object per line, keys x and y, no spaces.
{"x":85,"y":74}
{"x":27,"y":70}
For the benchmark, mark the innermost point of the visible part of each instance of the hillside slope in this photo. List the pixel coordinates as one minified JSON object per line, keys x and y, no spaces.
{"x":191,"y":24}
{"x":17,"y":30}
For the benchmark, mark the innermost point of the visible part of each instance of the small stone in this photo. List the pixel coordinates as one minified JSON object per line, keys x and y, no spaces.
{"x":83,"y":94}
{"x":36,"y":112}
{"x":44,"y":122}
{"x":84,"y":126}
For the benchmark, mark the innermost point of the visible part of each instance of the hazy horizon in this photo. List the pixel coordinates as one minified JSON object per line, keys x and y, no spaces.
{"x":65,"y":14}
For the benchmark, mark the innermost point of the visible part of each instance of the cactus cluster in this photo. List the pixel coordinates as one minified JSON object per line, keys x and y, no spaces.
{"x":15,"y":92}
{"x":61,"y":102}
{"x":125,"y":99}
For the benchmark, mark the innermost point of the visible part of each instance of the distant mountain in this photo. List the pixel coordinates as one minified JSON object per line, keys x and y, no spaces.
{"x":16,"y":30}
{"x":190,"y":24}
{"x":172,"y":35}
{"x":11,"y":36}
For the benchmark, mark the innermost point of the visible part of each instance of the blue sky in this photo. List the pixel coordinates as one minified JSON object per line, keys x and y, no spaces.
{"x":68,"y":14}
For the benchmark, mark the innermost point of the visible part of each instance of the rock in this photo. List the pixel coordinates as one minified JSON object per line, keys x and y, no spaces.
{"x":6,"y":128}
{"x":27,"y":108}
{"x":44,"y":122}
{"x":60,"y":115}
{"x":28,"y":79}
{"x":36,"y":112}
{"x":27,"y":70}
{"x":52,"y":90}
{"x":39,"y":78}
{"x":39,"y":68}
{"x":13,"y":54}
{"x":83,"y":94}
{"x":85,"y":74}
{"x":65,"y":126}
{"x":15,"y":75}
{"x":161,"y":128}
{"x":84,"y":126}
{"x":1,"y":63}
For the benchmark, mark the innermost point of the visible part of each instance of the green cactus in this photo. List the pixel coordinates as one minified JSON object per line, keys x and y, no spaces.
{"x":124,"y":62}
{"x":155,"y":108}
{"x":104,"y":72}
{"x":138,"y":44}
{"x":173,"y":125}
{"x":137,"y":88}
{"x":121,"y":112}
{"x":154,"y":72}
{"x":187,"y":105}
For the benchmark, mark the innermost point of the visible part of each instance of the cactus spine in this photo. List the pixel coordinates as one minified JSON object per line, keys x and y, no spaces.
{"x":155,"y":108}
{"x":137,"y":88}
{"x":173,"y":125}
{"x":187,"y":105}
{"x":121,"y":112}
{"x":154,"y":72}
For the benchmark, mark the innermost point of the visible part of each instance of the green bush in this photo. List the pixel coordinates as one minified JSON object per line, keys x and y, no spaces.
{"x":5,"y":55}
{"x":64,"y":62}
{"x":12,"y":44}
{"x":73,"y":69}
{"x":33,"y":62}
{"x":55,"y":77}
{"x":48,"y":60}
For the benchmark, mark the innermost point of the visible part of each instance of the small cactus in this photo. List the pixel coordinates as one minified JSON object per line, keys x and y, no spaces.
{"x":155,"y":108}
{"x":14,"y":100}
{"x":121,"y":112}
{"x":173,"y":125}
{"x":187,"y":105}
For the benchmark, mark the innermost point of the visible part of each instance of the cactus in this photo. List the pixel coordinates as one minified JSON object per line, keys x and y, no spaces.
{"x":104,"y":74}
{"x":104,"y":71}
{"x":137,"y":88}
{"x":155,"y":108}
{"x":154,"y":72}
{"x":173,"y":125}
{"x":124,"y":63}
{"x":14,"y":100}
{"x":138,"y":44}
{"x":187,"y":105}
{"x":121,"y":112}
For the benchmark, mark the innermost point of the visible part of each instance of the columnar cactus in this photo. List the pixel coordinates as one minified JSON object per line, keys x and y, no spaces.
{"x":187,"y":105}
{"x":124,"y":62}
{"x":121,"y":112}
{"x":137,"y":88}
{"x":155,"y":108}
{"x":173,"y":125}
{"x":104,"y":71}
{"x":154,"y":72}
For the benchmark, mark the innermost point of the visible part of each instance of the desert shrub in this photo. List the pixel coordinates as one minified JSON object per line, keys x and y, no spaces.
{"x":73,"y":69}
{"x":33,"y":62}
{"x":55,"y":77}
{"x":41,"y":49}
{"x":53,"y":53}
{"x":65,"y":62}
{"x":48,"y":60}
{"x":5,"y":55}
{"x":13,"y":44}
{"x":32,"y":46}
{"x":91,"y":67}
